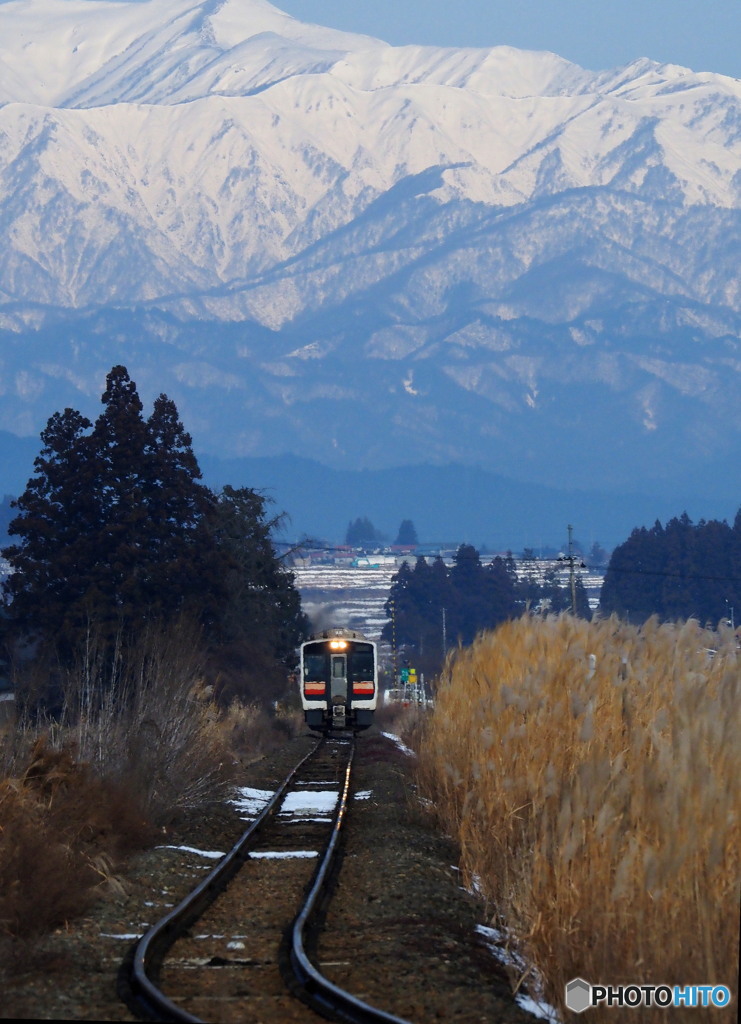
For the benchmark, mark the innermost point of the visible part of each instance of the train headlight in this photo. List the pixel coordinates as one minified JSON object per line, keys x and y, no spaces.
{"x":338,"y":645}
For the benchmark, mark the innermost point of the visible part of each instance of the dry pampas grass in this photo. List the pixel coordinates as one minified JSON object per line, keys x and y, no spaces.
{"x":590,"y":773}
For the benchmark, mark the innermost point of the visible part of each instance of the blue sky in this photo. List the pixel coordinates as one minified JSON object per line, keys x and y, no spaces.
{"x":704,"y":35}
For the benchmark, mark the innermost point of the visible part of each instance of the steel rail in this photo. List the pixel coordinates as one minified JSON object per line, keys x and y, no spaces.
{"x":135,"y":985}
{"x":323,"y":995}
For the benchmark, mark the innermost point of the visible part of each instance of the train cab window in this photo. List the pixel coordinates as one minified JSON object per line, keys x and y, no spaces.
{"x":362,"y":662}
{"x":315,"y":667}
{"x":339,"y":669}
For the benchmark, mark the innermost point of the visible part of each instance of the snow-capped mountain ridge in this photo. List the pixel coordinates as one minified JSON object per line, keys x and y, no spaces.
{"x":92,"y":52}
{"x":379,"y":112}
{"x":447,"y":244}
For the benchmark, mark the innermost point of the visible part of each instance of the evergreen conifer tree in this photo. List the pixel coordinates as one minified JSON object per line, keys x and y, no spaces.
{"x":184,"y":564}
{"x":468,"y":613}
{"x":361,"y":533}
{"x":679,"y":571}
{"x":407,"y":535}
{"x":262,"y":620}
{"x":56,"y":519}
{"x":116,"y":567}
{"x":116,"y":532}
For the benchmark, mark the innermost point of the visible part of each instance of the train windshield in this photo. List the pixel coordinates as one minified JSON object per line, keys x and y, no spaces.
{"x":362,"y":662}
{"x":315,"y":666}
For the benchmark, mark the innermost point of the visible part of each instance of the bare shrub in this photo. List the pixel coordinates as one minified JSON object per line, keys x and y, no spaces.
{"x":150,"y":720}
{"x":16,"y":741}
{"x":590,"y":773}
{"x":63,"y":831}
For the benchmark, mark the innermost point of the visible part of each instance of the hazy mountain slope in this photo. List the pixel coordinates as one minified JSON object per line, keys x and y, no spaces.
{"x":321,"y":243}
{"x":448,"y":503}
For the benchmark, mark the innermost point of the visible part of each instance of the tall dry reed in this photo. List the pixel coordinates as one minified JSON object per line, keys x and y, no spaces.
{"x":138,"y":742}
{"x":147,"y":719}
{"x":590,"y":772}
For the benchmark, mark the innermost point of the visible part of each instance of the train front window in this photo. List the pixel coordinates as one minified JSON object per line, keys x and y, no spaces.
{"x":315,"y":667}
{"x":362,"y":662}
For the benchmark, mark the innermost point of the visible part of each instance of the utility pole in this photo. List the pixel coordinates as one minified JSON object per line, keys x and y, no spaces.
{"x":572,"y":575}
{"x":393,"y":643}
{"x":445,"y":635}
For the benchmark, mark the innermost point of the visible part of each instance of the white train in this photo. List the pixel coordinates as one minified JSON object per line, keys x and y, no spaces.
{"x":339,"y":680}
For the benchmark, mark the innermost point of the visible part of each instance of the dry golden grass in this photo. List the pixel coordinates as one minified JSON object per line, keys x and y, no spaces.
{"x":590,"y":772}
{"x":63,"y":832}
{"x":132,"y":751}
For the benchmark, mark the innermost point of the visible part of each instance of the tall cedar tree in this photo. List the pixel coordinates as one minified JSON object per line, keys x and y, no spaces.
{"x":262,"y":621}
{"x":361,"y":533}
{"x":431,"y":604}
{"x":116,"y":531}
{"x":57,"y":514}
{"x":112,"y":525}
{"x":407,"y":535}
{"x":181,"y":509}
{"x":263,"y":603}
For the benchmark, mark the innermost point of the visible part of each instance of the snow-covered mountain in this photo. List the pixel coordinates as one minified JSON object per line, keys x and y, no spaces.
{"x":319,"y":242}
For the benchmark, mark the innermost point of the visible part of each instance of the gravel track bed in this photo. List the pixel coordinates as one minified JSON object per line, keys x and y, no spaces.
{"x":400,"y":932}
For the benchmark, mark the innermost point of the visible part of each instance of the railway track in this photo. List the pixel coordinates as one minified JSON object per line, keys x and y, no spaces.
{"x":243,"y":945}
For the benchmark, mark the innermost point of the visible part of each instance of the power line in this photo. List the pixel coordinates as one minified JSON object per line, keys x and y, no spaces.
{"x":674,"y":575}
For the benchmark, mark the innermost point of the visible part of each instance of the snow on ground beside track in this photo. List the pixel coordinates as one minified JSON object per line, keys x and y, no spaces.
{"x":211,"y":854}
{"x":399,"y":743}
{"x":249,"y":802}
{"x":496,"y":942}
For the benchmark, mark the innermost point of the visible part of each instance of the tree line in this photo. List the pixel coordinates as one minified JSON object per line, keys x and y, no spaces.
{"x":432,"y":606}
{"x":678,"y":571}
{"x":116,"y":533}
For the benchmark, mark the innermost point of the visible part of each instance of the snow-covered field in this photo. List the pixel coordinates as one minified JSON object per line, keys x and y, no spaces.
{"x":341,"y":595}
{"x":354,"y":597}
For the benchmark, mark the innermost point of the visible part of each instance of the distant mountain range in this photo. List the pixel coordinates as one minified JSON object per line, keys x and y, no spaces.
{"x":372,"y":256}
{"x":449,"y":504}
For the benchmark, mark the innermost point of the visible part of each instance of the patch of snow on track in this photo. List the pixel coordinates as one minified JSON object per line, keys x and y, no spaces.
{"x":309,"y":802}
{"x":283,"y":854}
